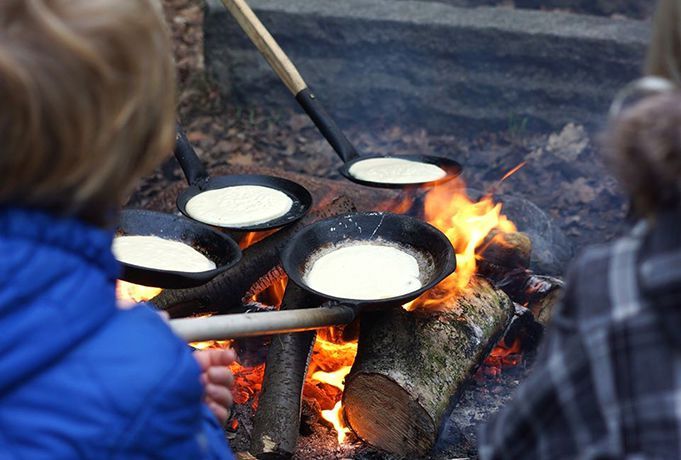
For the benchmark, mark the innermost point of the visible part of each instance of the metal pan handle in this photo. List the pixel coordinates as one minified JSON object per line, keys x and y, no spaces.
{"x":193,"y":168}
{"x":262,"y":323}
{"x":326,"y":125}
{"x":289,"y":75}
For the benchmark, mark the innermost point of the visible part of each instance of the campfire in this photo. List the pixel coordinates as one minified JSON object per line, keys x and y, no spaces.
{"x":411,"y":363}
{"x":332,"y":358}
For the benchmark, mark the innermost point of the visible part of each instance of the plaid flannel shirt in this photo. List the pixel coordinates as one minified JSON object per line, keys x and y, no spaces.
{"x":607,"y":384}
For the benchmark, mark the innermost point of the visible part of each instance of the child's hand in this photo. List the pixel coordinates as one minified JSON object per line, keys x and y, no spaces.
{"x":217,"y":380}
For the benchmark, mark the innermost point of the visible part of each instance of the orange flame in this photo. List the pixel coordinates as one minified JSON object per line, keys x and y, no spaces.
{"x":210,"y":344}
{"x":466,"y":223}
{"x":334,"y":416}
{"x":273,"y":295}
{"x":332,"y":359}
{"x":251,"y":238}
{"x":129,"y":292}
{"x":335,"y":378}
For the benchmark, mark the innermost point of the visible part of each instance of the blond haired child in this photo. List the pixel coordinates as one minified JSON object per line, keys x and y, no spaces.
{"x":86,"y":107}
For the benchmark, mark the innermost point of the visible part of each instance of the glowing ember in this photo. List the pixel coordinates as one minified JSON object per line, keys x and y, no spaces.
{"x":502,"y":357}
{"x":134,"y":292}
{"x":513,"y":171}
{"x":466,"y":223}
{"x":332,"y":358}
{"x":248,"y":383}
{"x":247,"y":380}
{"x":505,"y":355}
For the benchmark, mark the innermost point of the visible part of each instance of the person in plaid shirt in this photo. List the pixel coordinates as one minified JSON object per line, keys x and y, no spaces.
{"x":607,"y":384}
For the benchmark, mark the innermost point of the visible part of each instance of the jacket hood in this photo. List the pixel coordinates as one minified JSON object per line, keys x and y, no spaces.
{"x":57,"y":282}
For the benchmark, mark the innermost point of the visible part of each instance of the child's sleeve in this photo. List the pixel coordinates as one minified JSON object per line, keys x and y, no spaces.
{"x":172,"y":422}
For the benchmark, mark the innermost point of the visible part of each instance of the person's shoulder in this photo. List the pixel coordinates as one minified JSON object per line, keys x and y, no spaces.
{"x":136,"y":355}
{"x":586,"y":293}
{"x":596,"y":280}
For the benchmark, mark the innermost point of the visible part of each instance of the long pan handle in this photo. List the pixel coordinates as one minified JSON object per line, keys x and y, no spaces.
{"x":263,"y":323}
{"x":290,"y":76}
{"x":193,"y":168}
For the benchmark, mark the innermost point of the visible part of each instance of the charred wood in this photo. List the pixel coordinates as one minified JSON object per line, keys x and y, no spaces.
{"x":502,"y":253}
{"x":504,"y":259}
{"x":410,"y":364}
{"x":277,"y":420}
{"x":225,"y":291}
{"x":543,"y":294}
{"x":525,"y":329}
{"x":539,"y":293}
{"x":267,"y":280}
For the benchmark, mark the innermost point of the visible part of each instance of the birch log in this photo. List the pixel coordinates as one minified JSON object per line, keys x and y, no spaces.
{"x":410,"y":364}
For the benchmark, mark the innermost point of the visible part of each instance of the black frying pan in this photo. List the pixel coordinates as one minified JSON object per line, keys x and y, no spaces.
{"x":218,"y":247}
{"x":198,"y":180}
{"x":290,"y":76}
{"x":426,"y":241}
{"x":422,"y":238}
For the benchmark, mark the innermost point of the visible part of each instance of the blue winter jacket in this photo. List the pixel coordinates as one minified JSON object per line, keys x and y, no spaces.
{"x":79,"y":378}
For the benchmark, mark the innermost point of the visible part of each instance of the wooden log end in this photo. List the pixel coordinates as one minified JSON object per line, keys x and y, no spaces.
{"x":409,"y":365}
{"x":371,"y":399}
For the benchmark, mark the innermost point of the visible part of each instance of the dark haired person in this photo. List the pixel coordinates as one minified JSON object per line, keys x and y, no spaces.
{"x":607,"y":384}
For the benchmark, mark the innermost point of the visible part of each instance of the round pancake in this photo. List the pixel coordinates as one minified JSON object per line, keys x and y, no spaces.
{"x":396,"y":171}
{"x":239,"y":205}
{"x":160,"y":254}
{"x":364,"y":271}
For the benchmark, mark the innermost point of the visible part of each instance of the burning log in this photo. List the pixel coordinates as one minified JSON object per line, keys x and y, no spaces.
{"x":410,"y":364}
{"x":504,"y":258}
{"x":226,"y":290}
{"x":501,"y":252}
{"x":277,"y":421}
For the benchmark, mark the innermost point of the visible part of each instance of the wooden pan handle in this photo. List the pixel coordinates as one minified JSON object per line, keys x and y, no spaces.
{"x":262,"y":323}
{"x":266,"y":44}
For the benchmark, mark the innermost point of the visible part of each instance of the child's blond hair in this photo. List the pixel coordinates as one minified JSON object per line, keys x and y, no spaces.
{"x":87,"y":102}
